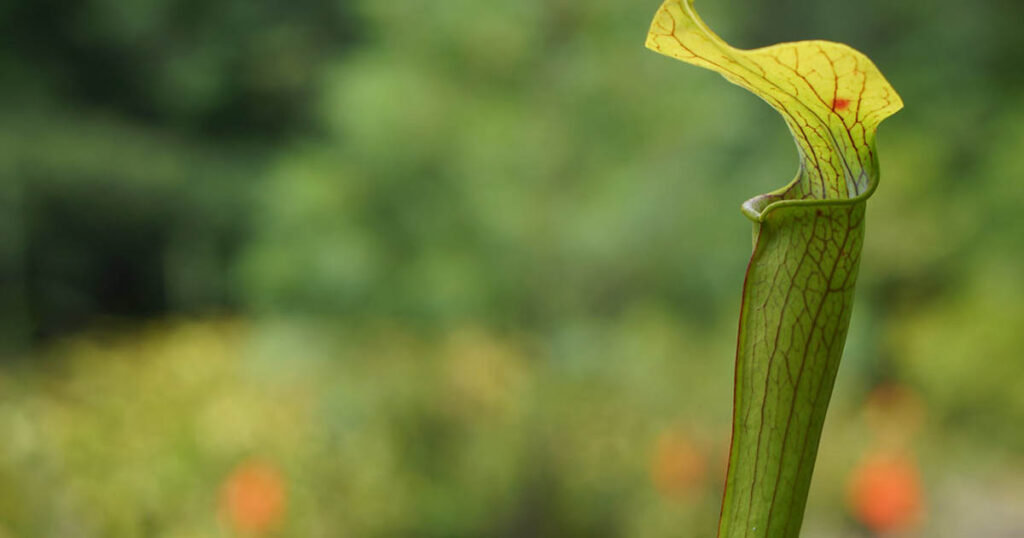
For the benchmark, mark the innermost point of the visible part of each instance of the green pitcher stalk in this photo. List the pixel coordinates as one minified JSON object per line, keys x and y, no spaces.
{"x":798,"y":291}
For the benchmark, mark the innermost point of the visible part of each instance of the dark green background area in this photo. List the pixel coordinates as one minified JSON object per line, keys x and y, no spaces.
{"x":361,"y":185}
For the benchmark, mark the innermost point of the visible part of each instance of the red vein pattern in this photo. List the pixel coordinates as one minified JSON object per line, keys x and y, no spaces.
{"x":798,"y":291}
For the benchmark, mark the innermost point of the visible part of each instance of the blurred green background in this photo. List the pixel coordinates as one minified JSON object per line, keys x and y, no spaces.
{"x":472,"y":269}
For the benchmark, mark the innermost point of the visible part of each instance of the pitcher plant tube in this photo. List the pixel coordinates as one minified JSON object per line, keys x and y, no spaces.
{"x":798,"y":290}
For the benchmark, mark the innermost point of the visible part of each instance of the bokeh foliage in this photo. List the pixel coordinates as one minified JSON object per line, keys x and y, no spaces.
{"x":481,"y":260}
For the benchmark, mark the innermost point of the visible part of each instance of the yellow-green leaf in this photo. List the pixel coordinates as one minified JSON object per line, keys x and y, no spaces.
{"x":831,"y":96}
{"x":798,"y":292}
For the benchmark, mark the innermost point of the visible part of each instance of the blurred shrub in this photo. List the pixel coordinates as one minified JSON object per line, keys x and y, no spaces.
{"x":203,"y":428}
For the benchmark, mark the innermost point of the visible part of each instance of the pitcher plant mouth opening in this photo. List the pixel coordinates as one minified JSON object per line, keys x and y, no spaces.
{"x":798,"y":291}
{"x":759,"y":207}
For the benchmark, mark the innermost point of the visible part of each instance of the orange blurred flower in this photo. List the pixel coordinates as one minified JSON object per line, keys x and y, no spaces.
{"x":677,"y":466}
{"x":885,"y":493}
{"x":253,"y":497}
